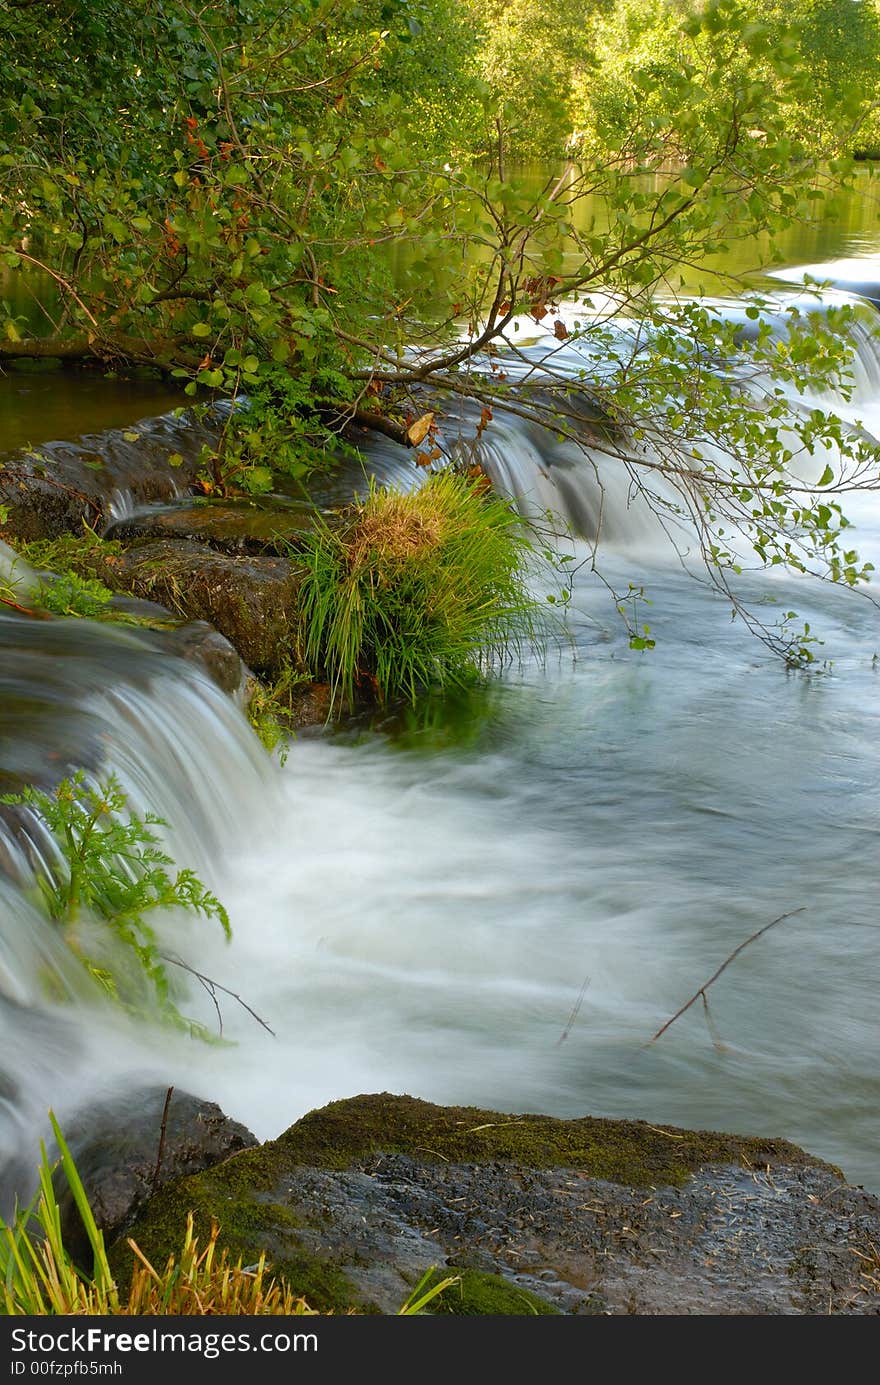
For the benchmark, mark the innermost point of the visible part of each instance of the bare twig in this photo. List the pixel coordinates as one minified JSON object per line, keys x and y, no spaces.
{"x":25,"y":610}
{"x":212,"y":987}
{"x":574,"y":1014}
{"x":157,"y":1170}
{"x":717,"y":1040}
{"x":59,"y":279}
{"x":724,"y":965}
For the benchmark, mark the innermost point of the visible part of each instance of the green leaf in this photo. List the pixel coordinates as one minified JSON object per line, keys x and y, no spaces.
{"x":257,"y":479}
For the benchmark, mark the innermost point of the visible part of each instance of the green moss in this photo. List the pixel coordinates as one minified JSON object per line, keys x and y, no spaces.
{"x":84,"y":555}
{"x":477,"y":1294}
{"x":631,"y":1152}
{"x":84,"y":574}
{"x":320,"y":1283}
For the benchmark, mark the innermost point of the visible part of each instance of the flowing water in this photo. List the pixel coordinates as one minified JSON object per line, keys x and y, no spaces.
{"x":499,"y":901}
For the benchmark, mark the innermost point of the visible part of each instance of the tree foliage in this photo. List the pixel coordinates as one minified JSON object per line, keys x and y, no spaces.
{"x":313,"y":203}
{"x":532,"y":54}
{"x":817,"y":63}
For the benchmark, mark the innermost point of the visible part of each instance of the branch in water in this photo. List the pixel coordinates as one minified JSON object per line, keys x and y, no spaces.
{"x":724,"y":965}
{"x":162,"y":1133}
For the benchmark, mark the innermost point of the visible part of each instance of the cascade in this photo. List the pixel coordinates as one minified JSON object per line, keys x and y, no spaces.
{"x":585,"y":486}
{"x":370,"y":889}
{"x":78,"y":694}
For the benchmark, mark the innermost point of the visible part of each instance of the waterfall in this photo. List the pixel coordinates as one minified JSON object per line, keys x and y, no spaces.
{"x":112,"y":701}
{"x":592,"y":480}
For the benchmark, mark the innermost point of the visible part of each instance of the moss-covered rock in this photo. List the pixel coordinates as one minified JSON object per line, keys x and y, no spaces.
{"x":474,"y":1293}
{"x":252,"y":601}
{"x":632,"y":1152}
{"x":356,"y":1201}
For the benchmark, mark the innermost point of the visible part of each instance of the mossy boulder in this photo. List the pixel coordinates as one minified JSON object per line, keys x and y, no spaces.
{"x":356,"y":1202}
{"x":632,"y":1152}
{"x":252,"y":601}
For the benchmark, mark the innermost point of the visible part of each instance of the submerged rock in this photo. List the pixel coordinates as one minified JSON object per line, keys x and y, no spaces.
{"x":230,"y":526}
{"x":355,"y":1202}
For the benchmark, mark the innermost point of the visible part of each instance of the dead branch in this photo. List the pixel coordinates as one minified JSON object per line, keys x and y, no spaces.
{"x":157,"y":1170}
{"x":714,"y":977}
{"x":212,"y":987}
{"x":574,"y":1014}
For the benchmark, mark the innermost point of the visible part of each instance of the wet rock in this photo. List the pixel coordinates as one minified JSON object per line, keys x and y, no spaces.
{"x":265,"y":526}
{"x":355,"y":1202}
{"x":252,"y":601}
{"x":122,"y":1157}
{"x":201,"y":644}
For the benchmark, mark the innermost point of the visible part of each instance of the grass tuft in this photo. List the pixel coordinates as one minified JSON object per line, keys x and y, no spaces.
{"x":420,"y":590}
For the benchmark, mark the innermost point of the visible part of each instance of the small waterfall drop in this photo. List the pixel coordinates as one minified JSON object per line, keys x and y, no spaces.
{"x":76,"y":694}
{"x":605,"y":487}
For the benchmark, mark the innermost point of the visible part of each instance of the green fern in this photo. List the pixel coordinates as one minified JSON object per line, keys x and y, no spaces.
{"x":115,"y":871}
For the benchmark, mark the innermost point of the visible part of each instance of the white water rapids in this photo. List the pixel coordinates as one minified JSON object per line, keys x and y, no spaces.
{"x":500,"y":904}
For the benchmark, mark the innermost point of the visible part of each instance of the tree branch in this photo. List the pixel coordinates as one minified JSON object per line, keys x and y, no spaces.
{"x":714,"y":977}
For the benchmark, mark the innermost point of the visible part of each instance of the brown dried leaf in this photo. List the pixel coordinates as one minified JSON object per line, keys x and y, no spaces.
{"x":419,"y":430}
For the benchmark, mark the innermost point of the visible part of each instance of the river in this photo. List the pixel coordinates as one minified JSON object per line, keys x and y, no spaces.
{"x":500,"y":900}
